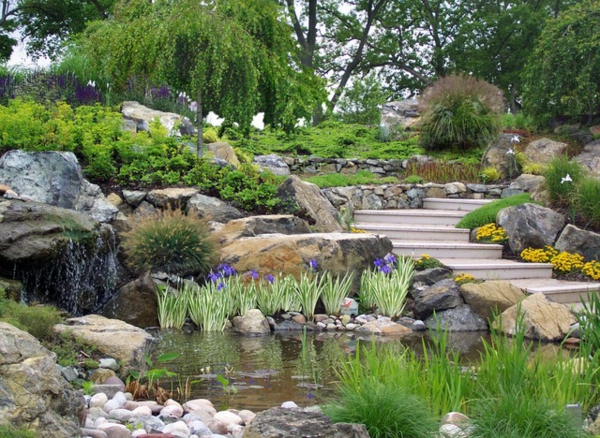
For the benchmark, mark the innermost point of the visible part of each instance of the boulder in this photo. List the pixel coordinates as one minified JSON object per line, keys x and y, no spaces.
{"x":134,"y":197}
{"x":143,"y":116}
{"x":135,"y":303}
{"x":33,"y":394}
{"x":54,"y":178}
{"x":63,"y":257}
{"x":383,"y":326}
{"x":266,"y":224}
{"x":176,"y":198}
{"x":576,"y":240}
{"x":399,"y":116}
{"x":530,"y":225}
{"x":310,"y":203}
{"x":459,"y":319}
{"x":528,"y":183}
{"x":273,"y":163}
{"x":298,"y":423}
{"x":542,"y":319}
{"x":252,"y":323}
{"x":428,"y":277}
{"x":444,"y":294}
{"x":212,"y":208}
{"x":544,"y":150}
{"x":496,"y":155}
{"x":290,"y":254}
{"x":111,"y":337}
{"x":223,"y":151}
{"x":589,"y":158}
{"x":491,"y":297}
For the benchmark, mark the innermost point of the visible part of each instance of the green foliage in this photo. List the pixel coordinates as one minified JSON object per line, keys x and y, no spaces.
{"x":7,"y":431}
{"x":562,"y":76}
{"x":443,"y":172}
{"x":35,"y":320}
{"x":209,"y":135}
{"x":487,"y":213}
{"x":562,"y":178}
{"x":170,"y":242}
{"x":589,"y":320}
{"x":588,"y":194}
{"x":334,"y":292}
{"x":172,"y":307}
{"x":517,"y":121}
{"x":413,"y":179}
{"x":361,"y":103}
{"x":490,"y":174}
{"x":459,"y":112}
{"x":343,"y":180}
{"x":427,"y":262}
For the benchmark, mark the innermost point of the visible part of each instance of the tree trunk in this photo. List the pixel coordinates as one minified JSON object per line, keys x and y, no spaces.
{"x":199,"y":121}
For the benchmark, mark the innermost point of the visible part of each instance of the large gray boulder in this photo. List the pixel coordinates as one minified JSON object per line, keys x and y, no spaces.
{"x":443,"y":295}
{"x":265,"y":224}
{"x":497,"y":155}
{"x":142,"y":117}
{"x":576,"y":240}
{"x":54,"y":178}
{"x":273,"y":163}
{"x":309,"y":202}
{"x":458,"y":319}
{"x":589,"y":158}
{"x":300,"y":423}
{"x":212,"y":208}
{"x":530,"y":225}
{"x":253,"y":323}
{"x":528,"y":183}
{"x":33,"y":393}
{"x":135,"y":303}
{"x":544,"y":150}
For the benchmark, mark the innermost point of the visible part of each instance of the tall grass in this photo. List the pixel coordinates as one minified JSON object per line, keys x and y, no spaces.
{"x":444,"y":172}
{"x":562,"y":178}
{"x":587,"y":201}
{"x":172,"y":307}
{"x":334,"y":292}
{"x":487,"y":213}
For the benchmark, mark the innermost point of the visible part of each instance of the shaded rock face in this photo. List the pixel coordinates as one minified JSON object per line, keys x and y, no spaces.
{"x":443,"y":295}
{"x":491,"y":297}
{"x":459,"y":319}
{"x":212,"y":208}
{"x":290,"y":254}
{"x":310,"y":202}
{"x":530,"y":225}
{"x":497,"y":155}
{"x":544,"y":150}
{"x":54,"y":178}
{"x":273,"y":163}
{"x":542,"y":319}
{"x":135,"y":303}
{"x":112,"y":337}
{"x":142,"y":117}
{"x":299,"y":423}
{"x":589,"y":158}
{"x":399,"y":116}
{"x":33,"y":394}
{"x":576,"y":240}
{"x":266,"y":224}
{"x":62,"y":257}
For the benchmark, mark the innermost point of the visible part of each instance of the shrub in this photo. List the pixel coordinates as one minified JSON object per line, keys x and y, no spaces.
{"x":210,"y":135}
{"x":587,"y":196}
{"x":171,"y":242}
{"x":459,"y":112}
{"x":534,"y":168}
{"x":487,"y":213}
{"x":562,"y":178}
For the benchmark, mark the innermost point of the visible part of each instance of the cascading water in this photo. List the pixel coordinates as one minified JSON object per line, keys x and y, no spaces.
{"x":81,"y":279}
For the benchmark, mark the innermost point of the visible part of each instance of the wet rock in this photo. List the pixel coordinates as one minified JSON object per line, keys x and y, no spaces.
{"x":252,"y":323}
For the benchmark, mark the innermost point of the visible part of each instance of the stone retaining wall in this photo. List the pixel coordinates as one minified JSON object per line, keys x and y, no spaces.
{"x":315,"y":165}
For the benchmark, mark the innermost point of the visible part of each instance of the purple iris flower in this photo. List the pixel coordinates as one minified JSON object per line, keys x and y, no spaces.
{"x":379,"y":263}
{"x":386,"y":269}
{"x":253,"y":274}
{"x":313,"y":264}
{"x":269,"y":278}
{"x":390,"y":259}
{"x":220,"y":286}
{"x":214,"y":276}
{"x":227,"y":270}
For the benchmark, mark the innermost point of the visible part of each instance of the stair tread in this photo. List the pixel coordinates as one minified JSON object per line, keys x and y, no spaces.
{"x":411,"y":227}
{"x":549,"y":285}
{"x":492,"y":263}
{"x":459,"y":200}
{"x":431,"y":243}
{"x":413,"y":212}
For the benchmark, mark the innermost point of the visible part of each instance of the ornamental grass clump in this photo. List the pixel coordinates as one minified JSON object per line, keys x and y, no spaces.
{"x":334,"y":291}
{"x":172,"y":307}
{"x":170,"y":241}
{"x":491,"y":233}
{"x":209,"y":306}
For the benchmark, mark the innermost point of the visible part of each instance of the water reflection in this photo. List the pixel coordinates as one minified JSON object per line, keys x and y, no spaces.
{"x":268,"y":370}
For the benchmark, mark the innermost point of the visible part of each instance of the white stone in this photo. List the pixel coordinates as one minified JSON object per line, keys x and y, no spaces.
{"x":228,"y":417}
{"x":177,"y":427}
{"x":351,"y":326}
{"x":199,"y":405}
{"x":138,"y":432}
{"x":114,"y":430}
{"x":109,"y":363}
{"x":246,"y":416}
{"x":120,"y":398}
{"x":122,"y":415}
{"x":173,"y":411}
{"x":289,"y":405}
{"x":452,"y":431}
{"x":142,"y":411}
{"x":110,"y":405}
{"x":98,"y":400}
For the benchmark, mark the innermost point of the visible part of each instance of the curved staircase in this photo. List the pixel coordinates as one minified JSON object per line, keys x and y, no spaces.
{"x":431,"y":230}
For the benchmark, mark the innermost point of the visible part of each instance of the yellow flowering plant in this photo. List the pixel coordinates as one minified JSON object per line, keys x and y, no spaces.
{"x":563,"y":262}
{"x":427,"y":262}
{"x":462,"y":278}
{"x":490,"y":233}
{"x":592,"y":269}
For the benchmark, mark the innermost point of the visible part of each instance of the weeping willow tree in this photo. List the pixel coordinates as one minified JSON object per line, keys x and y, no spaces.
{"x":234,"y":58}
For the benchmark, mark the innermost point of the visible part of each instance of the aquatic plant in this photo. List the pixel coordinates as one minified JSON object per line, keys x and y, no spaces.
{"x":172,"y":307}
{"x":309,"y":289}
{"x":334,"y":291}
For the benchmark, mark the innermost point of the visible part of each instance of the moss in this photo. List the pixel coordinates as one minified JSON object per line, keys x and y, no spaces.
{"x":487,"y":213}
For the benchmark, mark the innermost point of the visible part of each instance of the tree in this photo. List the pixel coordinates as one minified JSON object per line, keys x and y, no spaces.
{"x":562,"y":76}
{"x":232,"y":57}
{"x":361,"y":102}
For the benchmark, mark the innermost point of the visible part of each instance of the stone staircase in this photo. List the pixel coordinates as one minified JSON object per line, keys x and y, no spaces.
{"x":431,"y":230}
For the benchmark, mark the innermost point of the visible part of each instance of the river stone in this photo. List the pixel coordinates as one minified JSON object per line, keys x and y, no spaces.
{"x":143,"y":117}
{"x":289,"y":254}
{"x":33,"y":394}
{"x":383,"y":326}
{"x":223,"y":151}
{"x":176,"y":198}
{"x":212,"y":208}
{"x":491,"y":297}
{"x":589,"y":158}
{"x":530,"y":225}
{"x":542,"y":319}
{"x":575,"y":240}
{"x":135,"y":303}
{"x":111,"y":337}
{"x":252,"y":323}
{"x":544,"y":150}
{"x":266,"y":224}
{"x":299,"y":423}
{"x":273,"y":163}
{"x":459,"y":319}
{"x":444,"y":294}
{"x":310,"y":203}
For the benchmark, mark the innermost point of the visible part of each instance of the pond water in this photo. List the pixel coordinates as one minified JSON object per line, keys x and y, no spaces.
{"x":269,"y":370}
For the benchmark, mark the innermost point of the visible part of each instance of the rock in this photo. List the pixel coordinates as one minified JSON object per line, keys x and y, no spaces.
{"x":311,"y":203}
{"x":542,"y":319}
{"x":290,"y":254}
{"x":135,"y":303}
{"x":54,"y":178}
{"x":134,"y":197}
{"x":528,"y":183}
{"x":589,"y":158}
{"x":114,"y":430}
{"x":530,"y":225}
{"x":223,"y":151}
{"x":266,"y":224}
{"x":228,"y":417}
{"x":112,"y":337}
{"x":544,"y":150}
{"x":576,"y":240}
{"x":383,"y":326}
{"x":444,"y":294}
{"x":297,"y":423}
{"x":496,"y":155}
{"x":273,"y":163}
{"x":176,"y":198}
{"x":252,"y":323}
{"x":177,"y":427}
{"x":399,"y":116}
{"x":459,"y":319}
{"x":592,"y":422}
{"x":491,"y":297}
{"x":454,"y":188}
{"x":143,"y":117}
{"x":212,"y":208}
{"x":430,"y":276}
{"x":33,"y":393}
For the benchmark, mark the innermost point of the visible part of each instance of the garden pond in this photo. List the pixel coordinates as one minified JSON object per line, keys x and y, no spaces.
{"x":258,"y":373}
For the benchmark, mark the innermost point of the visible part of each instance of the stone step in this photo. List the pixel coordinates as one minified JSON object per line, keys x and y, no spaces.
{"x":415,"y":232}
{"x":447,"y":218}
{"x":500,"y":269}
{"x":560,"y":291}
{"x":454,"y":204}
{"x":448,"y":250}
